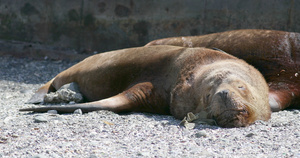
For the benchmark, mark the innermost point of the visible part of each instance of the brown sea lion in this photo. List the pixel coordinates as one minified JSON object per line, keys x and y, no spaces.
{"x":166,"y":80}
{"x":276,"y":54}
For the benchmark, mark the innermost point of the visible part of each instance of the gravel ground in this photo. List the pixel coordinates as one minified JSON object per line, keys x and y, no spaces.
{"x":106,"y":134}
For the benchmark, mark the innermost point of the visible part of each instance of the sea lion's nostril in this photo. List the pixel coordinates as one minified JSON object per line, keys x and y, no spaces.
{"x":223,"y":94}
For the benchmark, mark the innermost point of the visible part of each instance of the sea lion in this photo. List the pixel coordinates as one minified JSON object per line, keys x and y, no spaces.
{"x":276,"y":54}
{"x":166,"y":80}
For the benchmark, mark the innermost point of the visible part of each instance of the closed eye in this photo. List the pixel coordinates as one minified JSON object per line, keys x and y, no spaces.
{"x":241,"y":87}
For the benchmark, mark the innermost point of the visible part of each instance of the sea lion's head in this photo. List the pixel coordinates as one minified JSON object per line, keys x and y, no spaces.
{"x":236,"y":94}
{"x":230,"y":91}
{"x":235,"y":103}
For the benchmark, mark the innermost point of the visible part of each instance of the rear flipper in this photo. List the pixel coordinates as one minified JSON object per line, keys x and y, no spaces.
{"x":115,"y":104}
{"x":66,"y":108}
{"x":141,"y":97}
{"x":39,"y":95}
{"x":282,"y":99}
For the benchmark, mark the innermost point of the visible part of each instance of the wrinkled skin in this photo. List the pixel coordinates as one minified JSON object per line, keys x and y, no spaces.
{"x":166,"y":80}
{"x":276,"y":54}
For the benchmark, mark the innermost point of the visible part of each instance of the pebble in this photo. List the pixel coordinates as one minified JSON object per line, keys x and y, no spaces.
{"x":164,"y":123}
{"x":40,"y":118}
{"x":66,"y":94}
{"x":52,"y":112}
{"x":59,"y":120}
{"x":39,"y":156}
{"x":250,"y":135}
{"x":78,"y":111}
{"x":189,"y":125}
{"x":201,"y":134}
{"x":93,"y":156}
{"x":144,"y":154}
{"x":7,"y":119}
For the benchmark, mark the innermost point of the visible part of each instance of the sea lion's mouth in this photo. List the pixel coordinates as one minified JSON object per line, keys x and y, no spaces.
{"x":233,"y":118}
{"x":230,"y":110}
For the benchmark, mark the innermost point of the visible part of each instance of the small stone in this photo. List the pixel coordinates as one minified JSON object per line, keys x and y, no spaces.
{"x":297,"y":134}
{"x":39,"y":119}
{"x":39,"y":156}
{"x":3,"y":140}
{"x":200,"y":134}
{"x":190,"y":125}
{"x":144,"y":154}
{"x":296,"y":111}
{"x":199,"y":118}
{"x":164,"y":123}
{"x":277,"y":124}
{"x":66,"y":94}
{"x":7,"y":119}
{"x":250,"y":135}
{"x":24,"y":91}
{"x":52,"y":112}
{"x":51,"y":98}
{"x":93,"y":156}
{"x":93,"y":134}
{"x":108,"y":123}
{"x":58,"y":120}
{"x":14,"y":135}
{"x":260,"y":122}
{"x":8,"y":96}
{"x":78,"y":111}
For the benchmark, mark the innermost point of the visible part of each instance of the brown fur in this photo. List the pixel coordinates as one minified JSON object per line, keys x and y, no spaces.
{"x":276,"y":54}
{"x":167,"y":80}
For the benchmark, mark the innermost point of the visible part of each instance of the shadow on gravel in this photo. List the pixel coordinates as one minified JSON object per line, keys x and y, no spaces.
{"x":170,"y":120}
{"x":30,"y":71}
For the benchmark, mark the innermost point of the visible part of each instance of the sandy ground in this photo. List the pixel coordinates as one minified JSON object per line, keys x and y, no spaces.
{"x":106,"y":134}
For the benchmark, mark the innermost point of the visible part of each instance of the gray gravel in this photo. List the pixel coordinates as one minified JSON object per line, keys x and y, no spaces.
{"x":106,"y":134}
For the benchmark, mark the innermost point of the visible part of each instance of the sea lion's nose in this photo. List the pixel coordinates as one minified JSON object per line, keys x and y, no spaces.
{"x":223,"y":94}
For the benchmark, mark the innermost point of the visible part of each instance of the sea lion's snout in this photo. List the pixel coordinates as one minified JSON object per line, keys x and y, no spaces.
{"x":223,"y":95}
{"x":229,"y":110}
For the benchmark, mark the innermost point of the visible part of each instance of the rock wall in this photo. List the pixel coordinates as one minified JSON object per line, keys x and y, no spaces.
{"x":101,"y":25}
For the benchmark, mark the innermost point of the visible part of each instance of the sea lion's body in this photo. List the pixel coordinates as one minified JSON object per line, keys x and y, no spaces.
{"x":276,"y":54}
{"x":167,"y":80}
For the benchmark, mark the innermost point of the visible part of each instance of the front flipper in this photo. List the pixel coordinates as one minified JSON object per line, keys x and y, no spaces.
{"x":141,"y":97}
